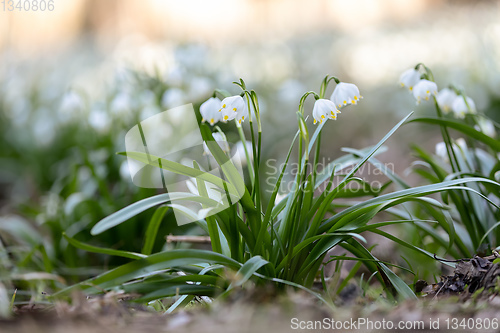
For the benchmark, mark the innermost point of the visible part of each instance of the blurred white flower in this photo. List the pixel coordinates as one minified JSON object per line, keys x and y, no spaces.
{"x":175,"y":76}
{"x":486,"y":126}
{"x":45,"y":129}
{"x":209,"y":110}
{"x":172,"y":97}
{"x":290,"y":91}
{"x":199,"y":87}
{"x":344,"y":94}
{"x":221,"y":141}
{"x":99,"y":120}
{"x":121,"y":103}
{"x":445,"y":99}
{"x":233,"y":107}
{"x":324,"y":109}
{"x":146,"y":98}
{"x":71,"y":107}
{"x":459,"y":146}
{"x":424,"y":89}
{"x":461,"y":108}
{"x":460,"y":143}
{"x":409,"y":78}
{"x":149,"y":111}
{"x":240,"y":150}
{"x":441,"y":150}
{"x":72,"y":102}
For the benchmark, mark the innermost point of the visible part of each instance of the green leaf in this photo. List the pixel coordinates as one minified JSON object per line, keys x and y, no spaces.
{"x":248,"y":269}
{"x":152,"y":264}
{"x":95,"y":249}
{"x":138,"y":207}
{"x":399,"y":285}
{"x":461,"y":127}
{"x":152,"y":231}
{"x":181,"y":289}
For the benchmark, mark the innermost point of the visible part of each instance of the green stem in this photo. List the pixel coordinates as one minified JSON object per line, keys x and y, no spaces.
{"x":461,"y":205}
{"x":247,"y":155}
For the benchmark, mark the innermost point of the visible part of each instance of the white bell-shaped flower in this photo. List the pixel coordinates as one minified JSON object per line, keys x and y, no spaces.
{"x":441,"y":150}
{"x":486,"y":126}
{"x":241,"y":114}
{"x":210,"y":110}
{"x":221,"y":141}
{"x":324,"y":109}
{"x":409,"y":78}
{"x":445,"y":98}
{"x":344,"y":94}
{"x":461,"y":108}
{"x":459,"y":146}
{"x":239,"y":151}
{"x":233,"y":107}
{"x":424,"y":89}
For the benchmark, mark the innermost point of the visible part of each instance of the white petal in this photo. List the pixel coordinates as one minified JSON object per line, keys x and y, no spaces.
{"x":409,"y":78}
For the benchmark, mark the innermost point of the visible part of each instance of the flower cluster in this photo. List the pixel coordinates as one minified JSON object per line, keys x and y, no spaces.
{"x":343,"y":95}
{"x":447,"y":99}
{"x":214,"y":110}
{"x":459,"y":146}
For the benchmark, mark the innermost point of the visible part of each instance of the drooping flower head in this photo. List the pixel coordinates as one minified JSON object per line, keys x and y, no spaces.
{"x":459,"y":146}
{"x":210,"y":110}
{"x":445,"y":99}
{"x":460,"y":107}
{"x":441,"y":150}
{"x":409,"y":78}
{"x":486,"y":126}
{"x":239,"y":150}
{"x":344,"y":94}
{"x":424,"y":89}
{"x":221,"y":141}
{"x":233,"y":107}
{"x":324,"y":109}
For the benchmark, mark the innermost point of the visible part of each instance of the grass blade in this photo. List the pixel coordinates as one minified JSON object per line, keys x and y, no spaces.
{"x":152,"y":231}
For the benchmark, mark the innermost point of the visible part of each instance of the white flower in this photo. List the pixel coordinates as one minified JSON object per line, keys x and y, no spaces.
{"x":210,"y":110}
{"x":233,"y":107}
{"x":441,"y":150}
{"x":172,"y":97}
{"x":324,"y":109}
{"x":221,"y":141}
{"x":461,"y":108}
{"x":121,"y":103}
{"x":344,"y":94}
{"x":409,"y":78}
{"x":424,"y":89}
{"x":239,"y":149}
{"x":486,"y":126}
{"x":459,"y":146}
{"x":72,"y":102}
{"x":445,"y":99}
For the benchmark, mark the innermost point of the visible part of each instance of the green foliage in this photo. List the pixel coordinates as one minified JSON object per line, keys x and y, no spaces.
{"x":473,"y":214}
{"x":263,"y":240}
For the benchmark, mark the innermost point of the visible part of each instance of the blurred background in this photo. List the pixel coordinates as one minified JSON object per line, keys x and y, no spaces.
{"x":75,"y":79}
